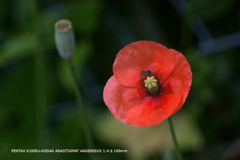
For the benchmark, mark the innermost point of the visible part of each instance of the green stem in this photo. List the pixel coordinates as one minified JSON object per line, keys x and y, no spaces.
{"x":174,"y":139}
{"x":81,"y":107}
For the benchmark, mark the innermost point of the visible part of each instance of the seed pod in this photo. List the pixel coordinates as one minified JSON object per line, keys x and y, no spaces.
{"x":64,"y":39}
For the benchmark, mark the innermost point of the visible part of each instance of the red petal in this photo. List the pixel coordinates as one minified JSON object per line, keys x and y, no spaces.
{"x":180,"y":80}
{"x":153,"y":111}
{"x":140,"y":56}
{"x":120,"y":99}
{"x":129,"y":106}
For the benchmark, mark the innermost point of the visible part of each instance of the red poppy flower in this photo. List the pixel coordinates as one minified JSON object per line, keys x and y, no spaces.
{"x":150,"y":83}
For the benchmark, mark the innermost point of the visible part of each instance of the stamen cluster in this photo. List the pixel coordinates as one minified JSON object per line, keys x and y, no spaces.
{"x":150,"y":83}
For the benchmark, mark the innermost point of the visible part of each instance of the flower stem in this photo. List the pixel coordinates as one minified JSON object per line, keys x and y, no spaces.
{"x":174,"y":139}
{"x":81,"y":107}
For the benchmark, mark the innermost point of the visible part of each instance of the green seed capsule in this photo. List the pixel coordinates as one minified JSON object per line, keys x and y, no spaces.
{"x":64,"y":39}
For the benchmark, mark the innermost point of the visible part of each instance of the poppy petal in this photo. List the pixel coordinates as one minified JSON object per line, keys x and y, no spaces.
{"x":140,"y":56}
{"x":119,"y":99}
{"x":180,"y":79}
{"x":153,"y":111}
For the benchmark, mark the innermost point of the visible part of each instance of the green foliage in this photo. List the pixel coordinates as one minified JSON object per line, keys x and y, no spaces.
{"x":17,"y":48}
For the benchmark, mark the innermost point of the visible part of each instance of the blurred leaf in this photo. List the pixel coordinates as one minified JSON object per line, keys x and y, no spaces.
{"x":17,"y":48}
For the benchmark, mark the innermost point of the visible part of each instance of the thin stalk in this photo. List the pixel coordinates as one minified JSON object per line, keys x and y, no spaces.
{"x":174,"y":139}
{"x":81,"y":107}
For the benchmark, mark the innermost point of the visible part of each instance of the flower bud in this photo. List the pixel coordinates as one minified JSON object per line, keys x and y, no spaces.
{"x":64,"y":39}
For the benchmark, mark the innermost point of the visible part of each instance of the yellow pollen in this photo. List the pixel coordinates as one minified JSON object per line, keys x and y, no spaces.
{"x":150,"y":82}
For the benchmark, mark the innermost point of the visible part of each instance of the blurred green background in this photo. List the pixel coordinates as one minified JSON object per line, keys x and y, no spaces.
{"x":38,"y":109}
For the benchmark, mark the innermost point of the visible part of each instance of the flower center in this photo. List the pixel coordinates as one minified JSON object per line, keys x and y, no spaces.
{"x":150,"y":83}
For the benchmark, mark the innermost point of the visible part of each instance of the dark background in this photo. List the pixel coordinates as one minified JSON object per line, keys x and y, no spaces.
{"x":38,"y":109}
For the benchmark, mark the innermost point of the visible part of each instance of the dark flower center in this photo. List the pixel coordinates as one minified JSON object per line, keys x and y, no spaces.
{"x":150,"y":83}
